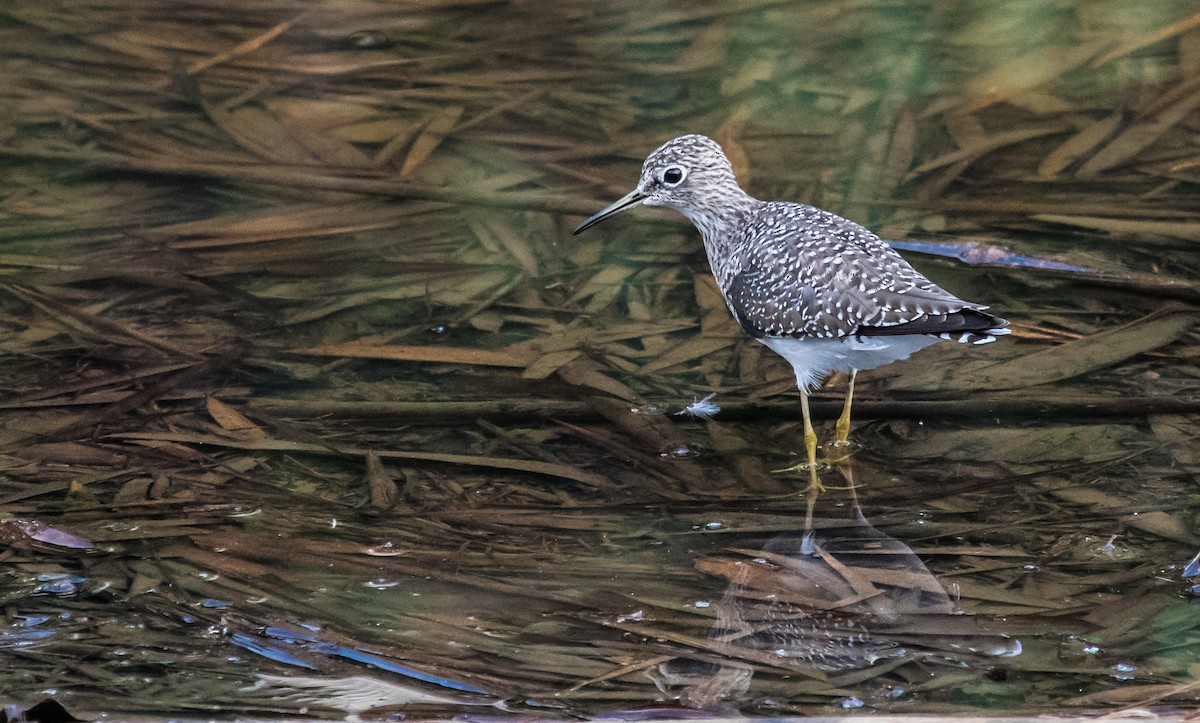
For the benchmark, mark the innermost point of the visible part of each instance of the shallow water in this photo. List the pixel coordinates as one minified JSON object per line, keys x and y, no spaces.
{"x":313,"y":405}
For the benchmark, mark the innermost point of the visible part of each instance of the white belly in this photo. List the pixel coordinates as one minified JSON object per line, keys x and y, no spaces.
{"x":814,"y":359}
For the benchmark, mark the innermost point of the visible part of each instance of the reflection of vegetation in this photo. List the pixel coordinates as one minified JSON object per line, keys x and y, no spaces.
{"x":276,"y":298}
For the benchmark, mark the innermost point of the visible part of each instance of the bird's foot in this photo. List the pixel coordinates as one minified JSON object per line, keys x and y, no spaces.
{"x":804,"y":468}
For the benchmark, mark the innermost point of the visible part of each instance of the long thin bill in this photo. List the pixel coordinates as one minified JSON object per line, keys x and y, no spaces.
{"x":630,"y":199}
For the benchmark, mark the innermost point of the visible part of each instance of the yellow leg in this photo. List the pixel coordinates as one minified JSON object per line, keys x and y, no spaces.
{"x":846,"y":468}
{"x":810,"y":446}
{"x":843,"y":422}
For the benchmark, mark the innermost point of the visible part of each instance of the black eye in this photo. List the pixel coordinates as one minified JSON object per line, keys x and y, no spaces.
{"x":672,"y":176}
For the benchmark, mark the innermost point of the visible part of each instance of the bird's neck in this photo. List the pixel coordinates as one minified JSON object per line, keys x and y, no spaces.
{"x":718,"y":219}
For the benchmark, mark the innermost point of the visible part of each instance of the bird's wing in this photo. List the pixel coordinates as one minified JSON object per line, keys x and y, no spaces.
{"x":823,"y":276}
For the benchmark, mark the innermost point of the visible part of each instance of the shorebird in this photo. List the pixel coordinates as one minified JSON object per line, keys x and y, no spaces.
{"x":821,"y":291}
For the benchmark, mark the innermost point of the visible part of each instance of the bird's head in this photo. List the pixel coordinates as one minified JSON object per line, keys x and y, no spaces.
{"x":690,"y":174}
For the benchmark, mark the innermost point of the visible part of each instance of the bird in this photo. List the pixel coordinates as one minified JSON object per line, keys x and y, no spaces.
{"x":820,"y":290}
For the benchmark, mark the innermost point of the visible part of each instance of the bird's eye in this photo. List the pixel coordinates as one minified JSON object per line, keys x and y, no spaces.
{"x":673,"y":176}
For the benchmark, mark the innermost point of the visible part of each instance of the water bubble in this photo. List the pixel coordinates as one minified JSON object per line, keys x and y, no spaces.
{"x":387,"y":549}
{"x":1091,"y":649}
{"x":1075,"y":651}
{"x":681,"y":453}
{"x":369,"y":40}
{"x":852,"y":702}
{"x":1124,"y":671}
{"x":1011,"y":649}
{"x":381,"y":584}
{"x":702,"y":603}
{"x":714,"y":525}
{"x":636,"y":616}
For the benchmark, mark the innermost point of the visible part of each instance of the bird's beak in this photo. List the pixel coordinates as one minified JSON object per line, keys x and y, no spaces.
{"x":630,"y":199}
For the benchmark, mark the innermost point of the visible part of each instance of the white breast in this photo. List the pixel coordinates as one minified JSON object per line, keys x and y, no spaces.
{"x":814,"y":359}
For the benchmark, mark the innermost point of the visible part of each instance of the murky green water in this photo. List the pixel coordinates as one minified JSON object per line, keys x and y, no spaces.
{"x":312,"y":404}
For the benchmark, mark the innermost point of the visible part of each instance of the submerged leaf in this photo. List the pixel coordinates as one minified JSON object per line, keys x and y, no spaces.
{"x":1126,"y":145}
{"x":364,"y":349}
{"x":431,"y":137}
{"x":1065,"y":361}
{"x":233,"y":421}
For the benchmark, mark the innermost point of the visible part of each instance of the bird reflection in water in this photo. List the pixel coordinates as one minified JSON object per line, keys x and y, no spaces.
{"x":844,"y":600}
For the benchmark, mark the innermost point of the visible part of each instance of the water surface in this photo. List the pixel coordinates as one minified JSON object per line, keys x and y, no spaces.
{"x":313,"y":405}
